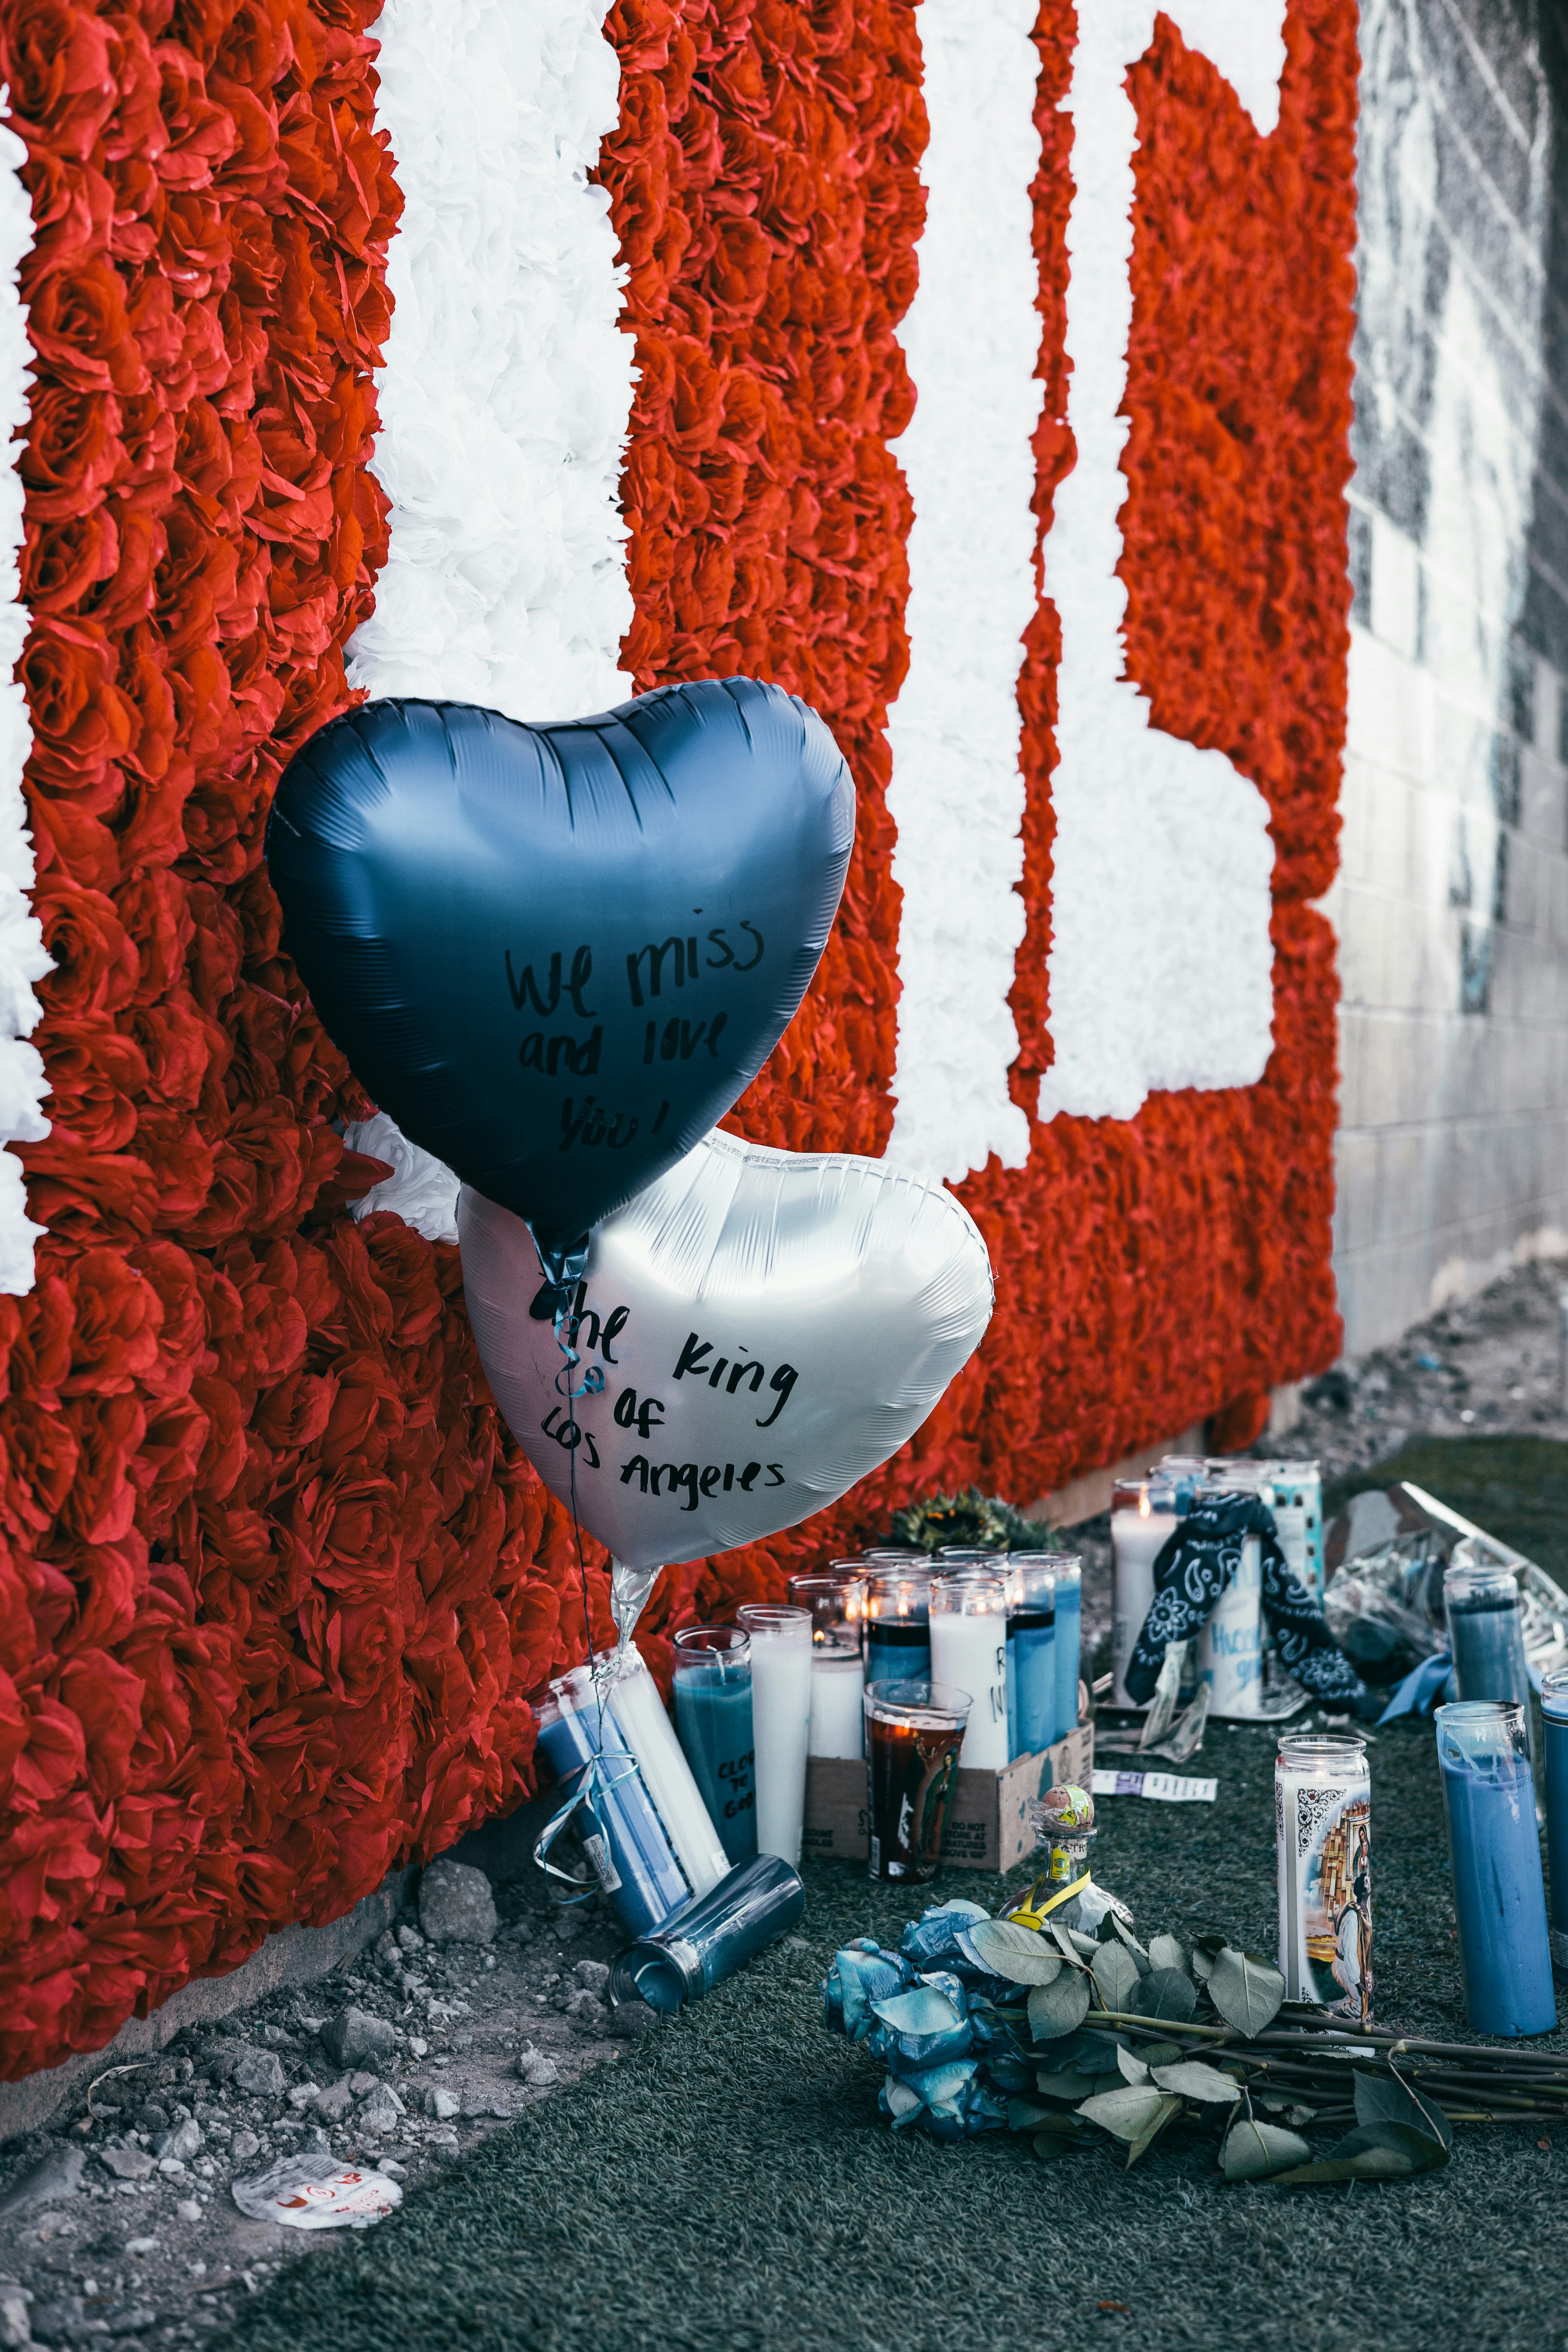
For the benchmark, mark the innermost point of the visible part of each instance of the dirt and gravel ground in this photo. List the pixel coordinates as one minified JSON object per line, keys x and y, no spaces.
{"x":121,"y":2224}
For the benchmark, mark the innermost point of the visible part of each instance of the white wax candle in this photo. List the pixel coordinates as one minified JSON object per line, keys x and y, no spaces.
{"x":781,"y":1720}
{"x":638,"y":1713}
{"x":1230,"y":1646}
{"x":1136,"y":1540}
{"x":837,"y":1702}
{"x":971,"y":1652}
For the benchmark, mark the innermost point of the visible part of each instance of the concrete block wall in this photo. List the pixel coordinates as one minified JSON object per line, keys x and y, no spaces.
{"x":1452,"y":901}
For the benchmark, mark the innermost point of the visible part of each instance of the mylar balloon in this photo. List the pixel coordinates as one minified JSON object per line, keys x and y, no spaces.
{"x":755,"y":1332}
{"x":557,"y":954}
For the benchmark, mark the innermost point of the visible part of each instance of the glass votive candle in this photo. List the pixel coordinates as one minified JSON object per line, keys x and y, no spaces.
{"x":713,"y":1720}
{"x":913,"y":1732}
{"x":1488,"y":1795}
{"x":781,"y":1720}
{"x":838,"y":1668}
{"x":898,"y":1633}
{"x":1032,"y":1651}
{"x":1143,"y":1519}
{"x":1554,"y":1735}
{"x":969,"y":1651}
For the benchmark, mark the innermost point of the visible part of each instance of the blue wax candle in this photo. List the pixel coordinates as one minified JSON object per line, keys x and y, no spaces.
{"x":651,"y":1881}
{"x":1499,"y":1893}
{"x":713,"y":1720}
{"x":1068,"y":1633}
{"x":1032,"y":1640}
{"x":1555,"y":1728}
{"x":897,"y":1650}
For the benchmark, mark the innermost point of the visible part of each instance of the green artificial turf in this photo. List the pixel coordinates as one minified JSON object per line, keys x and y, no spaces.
{"x":1515,"y":1487}
{"x":728,"y":2185}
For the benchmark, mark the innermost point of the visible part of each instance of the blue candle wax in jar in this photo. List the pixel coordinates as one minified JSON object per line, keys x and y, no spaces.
{"x":1488,"y":1794}
{"x":1032,"y":1700}
{"x":714,"y":1723}
{"x":1554,"y":1729}
{"x":1068,"y":1574}
{"x":897,"y":1626}
{"x":651,"y":1881}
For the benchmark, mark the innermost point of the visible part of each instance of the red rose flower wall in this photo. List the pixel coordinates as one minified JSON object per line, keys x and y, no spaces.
{"x":275,"y":1584}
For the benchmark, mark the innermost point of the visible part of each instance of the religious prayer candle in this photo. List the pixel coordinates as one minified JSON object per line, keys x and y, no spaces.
{"x":1322,"y":1813}
{"x":713,"y":1719}
{"x":647,"y":1731}
{"x":713,"y":1936}
{"x":1485,"y":1610}
{"x":1068,"y":1575}
{"x":1142,"y":1517}
{"x":781,"y":1720}
{"x":1554,"y":1730}
{"x":1032,"y":1650}
{"x":1298,"y":1508}
{"x":898,"y":1635}
{"x":1488,"y":1794}
{"x":969,"y":1651}
{"x":1230,"y":1643}
{"x":837,"y":1602}
{"x":623,"y":1835}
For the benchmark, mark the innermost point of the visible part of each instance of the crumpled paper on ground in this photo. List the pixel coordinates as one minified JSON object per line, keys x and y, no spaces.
{"x":313,"y":2192}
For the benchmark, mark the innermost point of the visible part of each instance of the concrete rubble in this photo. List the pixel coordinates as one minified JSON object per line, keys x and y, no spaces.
{"x":121,"y":2223}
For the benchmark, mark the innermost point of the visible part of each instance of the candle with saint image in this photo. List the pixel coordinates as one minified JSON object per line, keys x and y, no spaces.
{"x":837,"y":1599}
{"x":1323,"y":1815}
{"x":713,"y":1716}
{"x":969,"y":1651}
{"x":1142,"y":1516}
{"x":781,"y":1720}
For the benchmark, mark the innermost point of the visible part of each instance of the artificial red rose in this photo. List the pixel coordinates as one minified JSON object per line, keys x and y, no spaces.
{"x":117,"y":1318}
{"x":180,"y":1164}
{"x":81,"y":722}
{"x":39,"y":1463}
{"x":72,"y":450}
{"x":82,"y":1194}
{"x":99,"y":1506}
{"x":95,"y":1073}
{"x":79,"y":325}
{"x":56,"y":62}
{"x":62,"y":564}
{"x":183,"y":1048}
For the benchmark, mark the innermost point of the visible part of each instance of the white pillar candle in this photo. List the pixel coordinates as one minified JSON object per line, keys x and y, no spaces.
{"x":1230,"y":1646}
{"x":639,"y":1716}
{"x":969,"y":1651}
{"x":1138,"y":1534}
{"x":781,"y":1720}
{"x":837,"y":1702}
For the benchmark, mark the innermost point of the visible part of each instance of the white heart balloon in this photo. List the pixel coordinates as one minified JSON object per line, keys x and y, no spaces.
{"x":758,"y":1330}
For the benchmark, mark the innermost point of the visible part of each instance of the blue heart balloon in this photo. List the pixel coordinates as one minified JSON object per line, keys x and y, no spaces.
{"x":557,"y":955}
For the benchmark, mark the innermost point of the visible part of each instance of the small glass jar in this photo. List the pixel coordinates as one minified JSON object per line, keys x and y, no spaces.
{"x":1145,"y":1515}
{"x":1034,"y":1707}
{"x":1554,"y":1742}
{"x":897,"y":1621}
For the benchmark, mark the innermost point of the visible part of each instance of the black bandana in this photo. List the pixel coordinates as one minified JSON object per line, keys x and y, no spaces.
{"x":1193,"y":1569}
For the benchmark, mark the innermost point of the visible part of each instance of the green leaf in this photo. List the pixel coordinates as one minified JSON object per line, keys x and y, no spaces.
{"x":1127,"y":2112}
{"x":1082,"y":2052}
{"x":1059,"y":2007}
{"x":1252,"y":2152}
{"x":1162,"y":2054}
{"x":1116,"y":1976}
{"x":1201,"y":1963}
{"x":1020,"y":1954}
{"x":1123,"y":1934}
{"x":1067,"y":1943}
{"x":1191,"y":2079}
{"x":1047,"y":2149}
{"x":1071,"y":2085}
{"x":1247,"y":1992}
{"x":1167,"y":1952}
{"x":1024,"y":2115}
{"x":1066,"y":2128}
{"x":1390,"y":2099}
{"x":1166,"y":1993}
{"x":1169,"y":2110}
{"x":1132,"y":2070}
{"x":1380,"y":2151}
